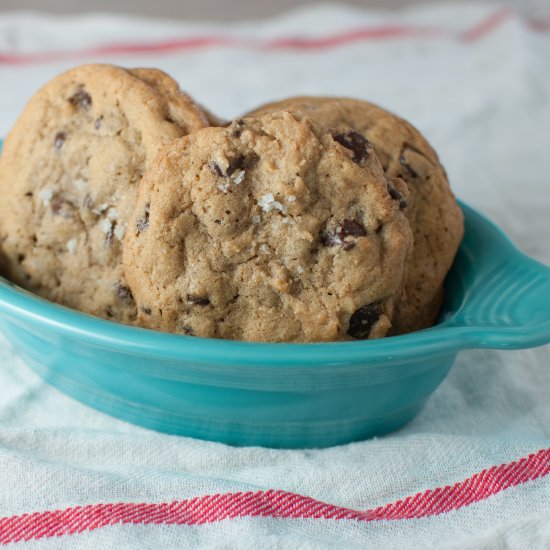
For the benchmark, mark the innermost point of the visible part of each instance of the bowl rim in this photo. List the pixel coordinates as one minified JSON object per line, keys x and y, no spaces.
{"x":444,"y":338}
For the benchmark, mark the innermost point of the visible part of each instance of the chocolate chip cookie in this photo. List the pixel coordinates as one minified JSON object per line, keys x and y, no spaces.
{"x":69,"y":173}
{"x":271,"y":229}
{"x":435,"y":218}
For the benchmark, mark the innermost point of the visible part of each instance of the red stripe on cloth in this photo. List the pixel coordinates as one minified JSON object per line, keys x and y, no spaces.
{"x":272,"y":504}
{"x":387,"y":32}
{"x":167,"y":46}
{"x":357,"y":35}
{"x":540,"y":25}
{"x":487,"y":26}
{"x":201,"y":42}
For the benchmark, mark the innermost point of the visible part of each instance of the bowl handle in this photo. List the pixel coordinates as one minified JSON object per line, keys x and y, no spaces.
{"x":509,"y":305}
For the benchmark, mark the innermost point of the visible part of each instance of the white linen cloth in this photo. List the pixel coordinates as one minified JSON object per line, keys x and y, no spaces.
{"x":476,"y":80}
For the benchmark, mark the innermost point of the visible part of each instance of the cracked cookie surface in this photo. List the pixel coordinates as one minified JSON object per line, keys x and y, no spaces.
{"x":435,"y":218}
{"x":271,"y":229}
{"x":69,"y":172}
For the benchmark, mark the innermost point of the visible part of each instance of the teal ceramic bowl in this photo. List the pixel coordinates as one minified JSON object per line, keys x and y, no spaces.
{"x":285,"y":395}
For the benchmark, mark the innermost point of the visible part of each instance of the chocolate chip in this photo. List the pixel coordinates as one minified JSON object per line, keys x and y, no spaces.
{"x":109,"y":312}
{"x":145,"y":310}
{"x":59,"y":139}
{"x":198,"y":300}
{"x":361,"y":322}
{"x":123,"y":292}
{"x":236,"y":164}
{"x":353,"y":228}
{"x":215,"y":169}
{"x":81,"y":99}
{"x":396,"y":195}
{"x":97,"y":123}
{"x":143,"y":223}
{"x":331,"y":239}
{"x":29,"y":194}
{"x":186,"y":329}
{"x":355,"y":142}
{"x":344,"y":229}
{"x":237,"y":126}
{"x":239,"y":163}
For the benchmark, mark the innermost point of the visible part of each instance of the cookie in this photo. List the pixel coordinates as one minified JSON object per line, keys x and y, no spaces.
{"x":271,"y":229}
{"x":169,"y":88}
{"x":69,"y":173}
{"x":435,"y":218}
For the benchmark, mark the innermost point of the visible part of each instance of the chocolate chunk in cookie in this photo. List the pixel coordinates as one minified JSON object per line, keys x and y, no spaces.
{"x":396,"y":195}
{"x":344,"y":235}
{"x":362,"y":321}
{"x":81,"y":99}
{"x":198,"y":300}
{"x":357,"y":143}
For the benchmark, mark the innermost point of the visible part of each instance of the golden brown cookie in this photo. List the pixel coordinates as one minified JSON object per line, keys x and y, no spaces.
{"x":69,"y":172}
{"x":435,"y":218}
{"x":271,"y":229}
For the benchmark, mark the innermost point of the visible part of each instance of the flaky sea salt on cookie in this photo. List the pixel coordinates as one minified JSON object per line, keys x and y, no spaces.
{"x":271,"y":229}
